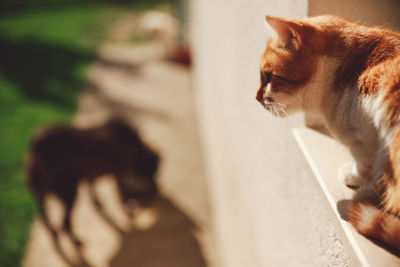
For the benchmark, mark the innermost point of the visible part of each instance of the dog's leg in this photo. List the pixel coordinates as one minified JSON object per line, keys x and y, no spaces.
{"x":45,"y":218}
{"x":100,"y":209}
{"x":54,"y":233}
{"x":69,"y":200}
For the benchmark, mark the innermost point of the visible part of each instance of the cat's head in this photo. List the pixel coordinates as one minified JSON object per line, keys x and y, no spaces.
{"x":288,"y":66}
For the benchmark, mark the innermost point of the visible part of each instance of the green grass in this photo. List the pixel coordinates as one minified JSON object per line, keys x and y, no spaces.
{"x":18,"y":118}
{"x":44,"y":53}
{"x":71,"y":26}
{"x":43,"y":59}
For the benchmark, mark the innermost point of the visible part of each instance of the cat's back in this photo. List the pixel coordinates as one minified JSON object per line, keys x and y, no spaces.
{"x":370,"y":55}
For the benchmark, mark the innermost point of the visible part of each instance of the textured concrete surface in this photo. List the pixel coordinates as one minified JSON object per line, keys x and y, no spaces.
{"x":157,"y":98}
{"x":267,"y":211}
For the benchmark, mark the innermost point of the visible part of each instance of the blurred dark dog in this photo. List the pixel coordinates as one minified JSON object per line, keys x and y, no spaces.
{"x":60,"y":157}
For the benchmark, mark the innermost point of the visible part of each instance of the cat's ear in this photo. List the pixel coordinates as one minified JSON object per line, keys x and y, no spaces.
{"x":288,"y":31}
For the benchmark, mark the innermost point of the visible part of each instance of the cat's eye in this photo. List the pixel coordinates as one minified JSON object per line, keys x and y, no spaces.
{"x":285,"y":80}
{"x":266,"y":77}
{"x":279,"y":77}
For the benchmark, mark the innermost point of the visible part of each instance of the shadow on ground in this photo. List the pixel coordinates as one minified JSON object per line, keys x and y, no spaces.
{"x":161,"y":235}
{"x":118,"y":227}
{"x":169,"y":242}
{"x":44,"y":72}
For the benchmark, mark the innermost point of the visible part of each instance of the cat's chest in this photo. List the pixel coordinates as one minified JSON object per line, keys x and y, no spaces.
{"x":351,"y":132}
{"x":354,"y":120}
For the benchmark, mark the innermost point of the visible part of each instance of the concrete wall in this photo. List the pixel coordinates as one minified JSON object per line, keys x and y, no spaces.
{"x":370,"y":12}
{"x":267,"y":210}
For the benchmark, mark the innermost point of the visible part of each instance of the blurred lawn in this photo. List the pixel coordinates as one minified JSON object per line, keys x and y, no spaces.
{"x":44,"y":52}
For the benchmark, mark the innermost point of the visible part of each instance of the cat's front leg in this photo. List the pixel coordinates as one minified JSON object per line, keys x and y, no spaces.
{"x":353,"y":175}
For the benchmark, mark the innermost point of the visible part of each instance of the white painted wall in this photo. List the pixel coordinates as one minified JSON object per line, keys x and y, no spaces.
{"x":267,"y":210}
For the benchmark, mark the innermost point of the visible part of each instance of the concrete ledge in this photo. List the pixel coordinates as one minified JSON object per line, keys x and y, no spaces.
{"x":324,"y":156}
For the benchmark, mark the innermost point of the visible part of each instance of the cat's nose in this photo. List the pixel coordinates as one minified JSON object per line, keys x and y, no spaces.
{"x":260,"y":95}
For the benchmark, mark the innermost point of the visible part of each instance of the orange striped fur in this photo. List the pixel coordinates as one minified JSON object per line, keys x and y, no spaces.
{"x":349,"y":74}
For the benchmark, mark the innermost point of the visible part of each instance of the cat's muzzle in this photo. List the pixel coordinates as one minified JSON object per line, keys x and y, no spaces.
{"x":267,"y":104}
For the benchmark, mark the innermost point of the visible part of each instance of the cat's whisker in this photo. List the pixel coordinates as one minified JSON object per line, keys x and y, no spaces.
{"x":276,"y":111}
{"x":287,"y":116}
{"x":272,"y":110}
{"x":283,"y":105}
{"x":267,"y":106}
{"x":284,"y":111}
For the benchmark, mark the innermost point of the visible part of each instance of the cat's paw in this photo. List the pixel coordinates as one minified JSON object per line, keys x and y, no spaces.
{"x":350,"y":176}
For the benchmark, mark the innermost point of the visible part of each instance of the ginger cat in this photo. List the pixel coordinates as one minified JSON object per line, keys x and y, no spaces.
{"x":349,"y":74}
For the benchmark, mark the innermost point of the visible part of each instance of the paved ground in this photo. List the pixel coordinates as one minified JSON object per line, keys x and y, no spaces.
{"x":156,"y":97}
